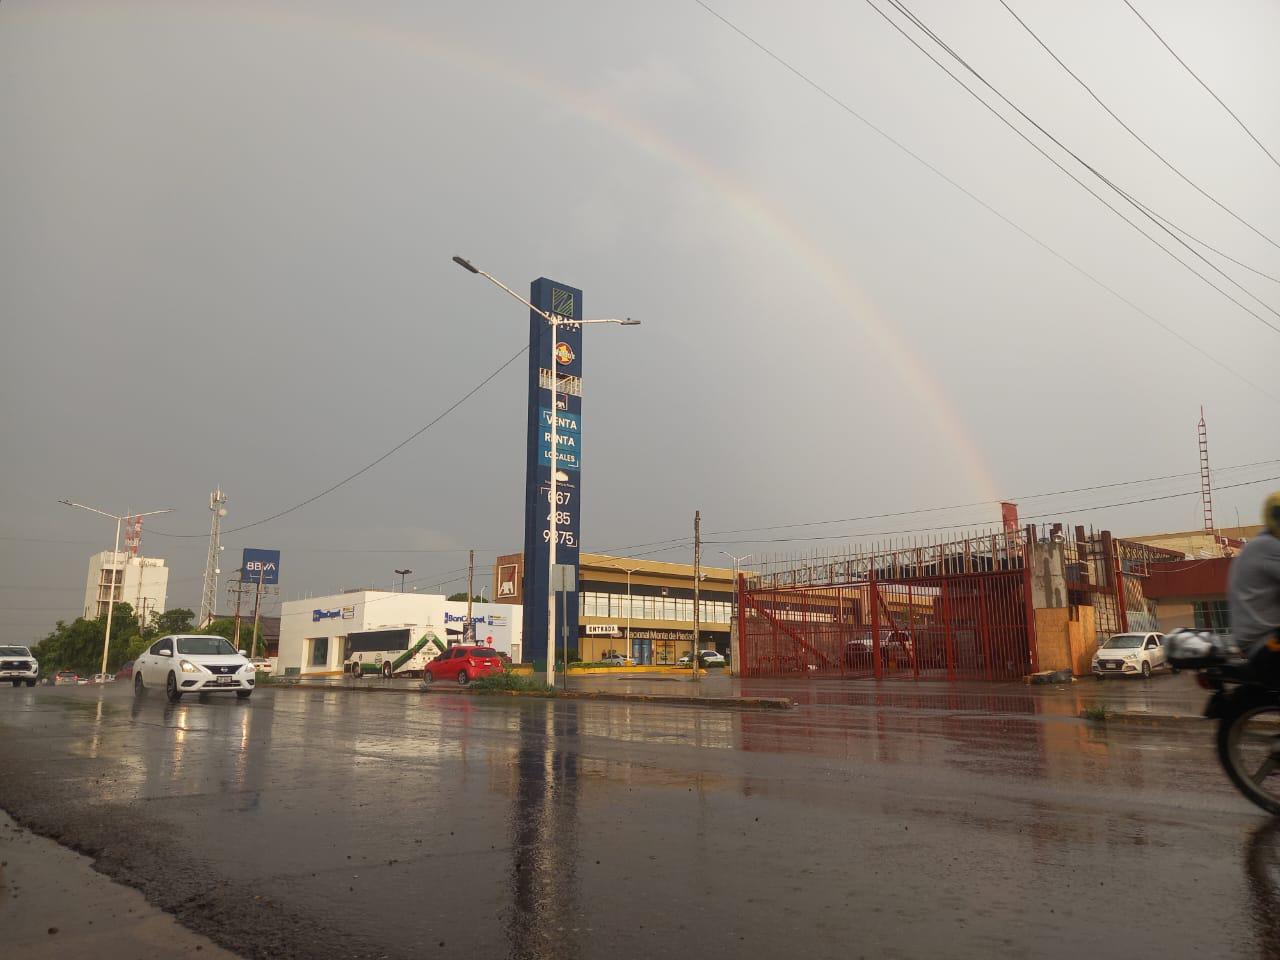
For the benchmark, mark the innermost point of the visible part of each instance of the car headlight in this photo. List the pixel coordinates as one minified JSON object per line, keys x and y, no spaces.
{"x":250,"y":667}
{"x":188,"y":667}
{"x":1131,"y":656}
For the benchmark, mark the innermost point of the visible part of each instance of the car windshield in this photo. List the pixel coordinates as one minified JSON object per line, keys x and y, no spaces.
{"x":206,"y":646}
{"x":1125,"y":641}
{"x":14,"y":652}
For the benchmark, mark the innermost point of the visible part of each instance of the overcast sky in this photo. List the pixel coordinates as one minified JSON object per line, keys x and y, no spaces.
{"x":225,"y":233}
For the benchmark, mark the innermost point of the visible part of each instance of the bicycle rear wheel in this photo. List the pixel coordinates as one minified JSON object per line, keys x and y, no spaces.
{"x":1249,"y":748}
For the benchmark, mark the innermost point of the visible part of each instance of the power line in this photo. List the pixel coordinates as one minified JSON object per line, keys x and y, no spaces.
{"x":984,"y":503}
{"x":1140,"y":207}
{"x":1186,"y":67}
{"x":961,"y":526}
{"x":844,"y":106}
{"x":1153,"y":151}
{"x":368,"y":466}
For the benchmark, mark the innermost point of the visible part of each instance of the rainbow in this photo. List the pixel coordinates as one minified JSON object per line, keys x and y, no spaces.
{"x":920,"y":384}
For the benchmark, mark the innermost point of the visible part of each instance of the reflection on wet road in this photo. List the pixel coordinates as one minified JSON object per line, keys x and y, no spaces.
{"x":931,"y":822}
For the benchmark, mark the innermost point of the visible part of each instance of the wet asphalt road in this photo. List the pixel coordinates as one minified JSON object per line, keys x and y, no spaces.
{"x":933,"y":822}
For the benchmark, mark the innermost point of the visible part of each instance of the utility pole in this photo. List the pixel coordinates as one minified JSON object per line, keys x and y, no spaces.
{"x":239,"y":590}
{"x":469,"y":632}
{"x":697,"y":583}
{"x":142,"y":612}
{"x":209,"y":598}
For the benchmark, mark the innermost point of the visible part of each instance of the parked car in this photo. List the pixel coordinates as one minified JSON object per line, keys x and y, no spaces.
{"x":462,"y":664}
{"x":264,"y":664}
{"x":103,"y":678}
{"x":18,"y":666}
{"x":615,"y":659}
{"x":126,"y":671}
{"x":1130,"y":654}
{"x":895,"y":649}
{"x":65,"y":678}
{"x":193,"y":664}
{"x":706,"y":658}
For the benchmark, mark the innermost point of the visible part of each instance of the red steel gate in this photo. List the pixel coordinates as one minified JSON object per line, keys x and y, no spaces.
{"x":912,"y":620}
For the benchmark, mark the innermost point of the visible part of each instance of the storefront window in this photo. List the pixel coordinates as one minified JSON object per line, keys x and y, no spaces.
{"x":320,"y":652}
{"x":1212,"y":615}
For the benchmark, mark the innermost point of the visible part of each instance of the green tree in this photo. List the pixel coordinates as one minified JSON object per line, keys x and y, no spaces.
{"x":461,"y":597}
{"x":226,"y":627}
{"x":78,"y":645}
{"x":177,"y":620}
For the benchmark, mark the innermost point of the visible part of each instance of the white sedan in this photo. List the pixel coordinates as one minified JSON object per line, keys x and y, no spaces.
{"x":193,"y":664}
{"x":1130,"y":654}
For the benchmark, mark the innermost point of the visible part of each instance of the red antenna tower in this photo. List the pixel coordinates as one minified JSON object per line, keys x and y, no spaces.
{"x":1206,"y":488}
{"x":133,"y":534}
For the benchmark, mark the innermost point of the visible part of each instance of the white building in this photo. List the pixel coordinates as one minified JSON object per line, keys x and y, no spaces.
{"x":313,"y":632}
{"x":142,"y":582}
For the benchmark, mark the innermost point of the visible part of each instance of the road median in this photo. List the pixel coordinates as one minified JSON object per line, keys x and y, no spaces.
{"x":743,"y":703}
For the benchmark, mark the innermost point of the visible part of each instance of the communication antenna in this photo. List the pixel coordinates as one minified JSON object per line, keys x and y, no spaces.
{"x":1206,"y":487}
{"x":209,"y":598}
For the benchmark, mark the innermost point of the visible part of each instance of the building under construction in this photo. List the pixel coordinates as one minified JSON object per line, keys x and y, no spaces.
{"x":993,"y":606}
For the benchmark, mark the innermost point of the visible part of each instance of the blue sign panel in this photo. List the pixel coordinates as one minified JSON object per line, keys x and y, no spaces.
{"x":558,"y":356}
{"x":260,"y":566}
{"x":568,"y":440}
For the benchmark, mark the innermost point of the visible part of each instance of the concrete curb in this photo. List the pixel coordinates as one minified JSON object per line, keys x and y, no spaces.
{"x":1137,"y":718}
{"x":746,"y":703}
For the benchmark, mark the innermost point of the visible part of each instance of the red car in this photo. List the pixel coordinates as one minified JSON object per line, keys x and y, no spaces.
{"x":462,"y":664}
{"x":126,"y":671}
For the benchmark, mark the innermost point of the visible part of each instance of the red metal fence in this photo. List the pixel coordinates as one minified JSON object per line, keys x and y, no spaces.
{"x":955,"y":627}
{"x":956,"y":610}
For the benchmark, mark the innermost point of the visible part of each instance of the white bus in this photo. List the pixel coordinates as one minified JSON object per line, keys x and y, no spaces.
{"x":390,"y":652}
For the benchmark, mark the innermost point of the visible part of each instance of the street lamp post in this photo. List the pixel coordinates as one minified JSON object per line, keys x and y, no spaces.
{"x":628,"y":571}
{"x":403,"y":574}
{"x":115,"y":551}
{"x":556,"y":321}
{"x":737,"y":600}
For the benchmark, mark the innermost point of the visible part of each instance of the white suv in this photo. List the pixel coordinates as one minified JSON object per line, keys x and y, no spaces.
{"x":204,"y":663}
{"x":1130,"y":654}
{"x":18,"y":665}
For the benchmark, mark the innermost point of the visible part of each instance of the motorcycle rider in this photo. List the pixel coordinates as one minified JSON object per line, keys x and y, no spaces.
{"x":1253,"y":595}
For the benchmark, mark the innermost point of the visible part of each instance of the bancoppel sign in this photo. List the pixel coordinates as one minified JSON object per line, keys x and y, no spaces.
{"x":602,"y":630}
{"x":318,"y":615}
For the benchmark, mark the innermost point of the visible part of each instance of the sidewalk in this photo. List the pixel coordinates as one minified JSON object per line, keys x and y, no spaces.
{"x":54,"y":905}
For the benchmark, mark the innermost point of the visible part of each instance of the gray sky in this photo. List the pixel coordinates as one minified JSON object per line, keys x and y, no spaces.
{"x":225,"y":242}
